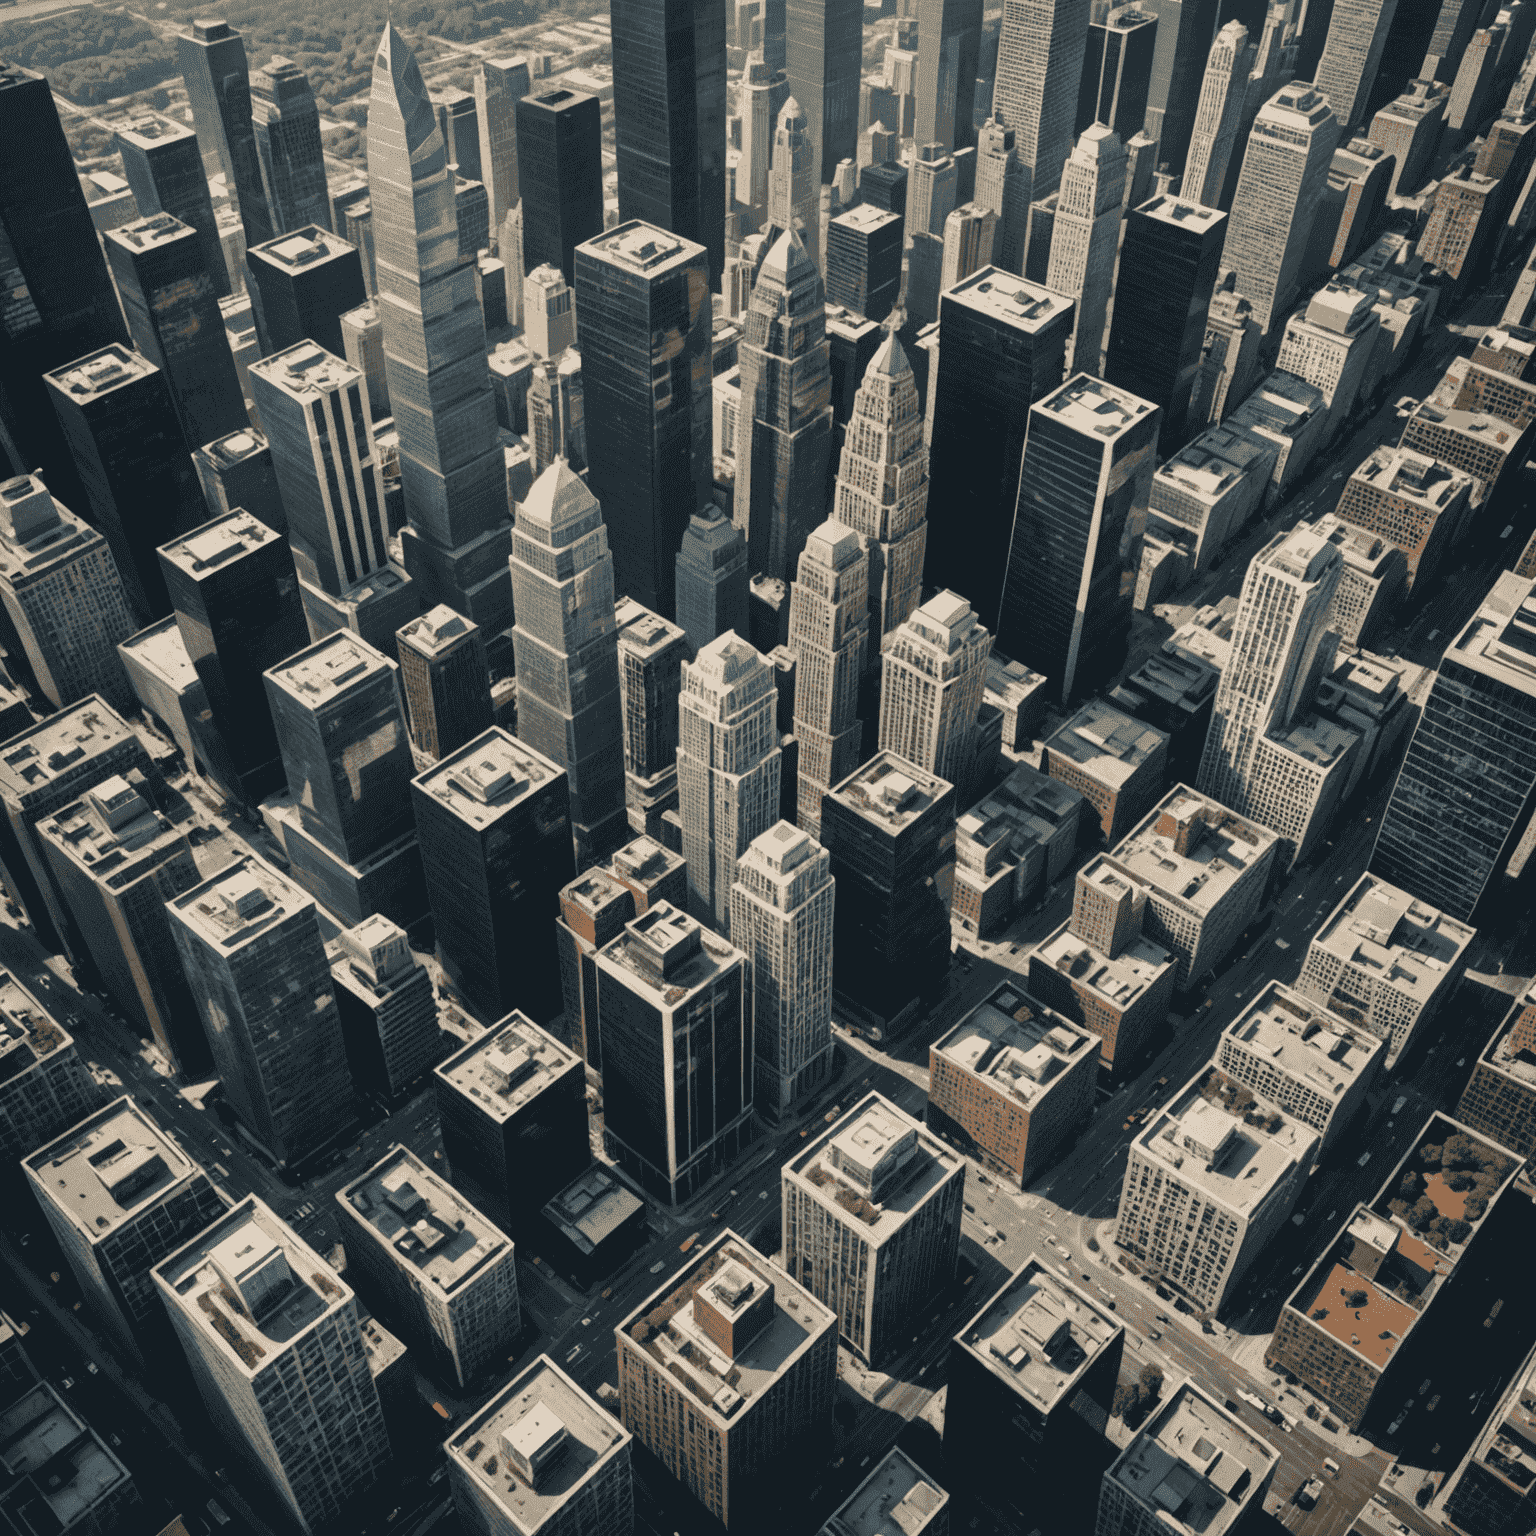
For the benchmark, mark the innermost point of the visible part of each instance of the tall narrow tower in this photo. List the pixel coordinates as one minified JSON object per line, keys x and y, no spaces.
{"x":499,"y":85}
{"x":1085,"y":237}
{"x":794,"y":199}
{"x":1184,"y":29}
{"x":1039,"y":68}
{"x":1346,"y":73}
{"x":1003,"y":184}
{"x":1218,"y":115}
{"x":948,"y":40}
{"x":824,"y":50}
{"x":451,"y":466}
{"x":287,"y":126}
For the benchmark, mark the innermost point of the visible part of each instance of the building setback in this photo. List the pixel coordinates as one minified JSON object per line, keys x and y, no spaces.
{"x":236,"y":473}
{"x":444,"y":680}
{"x":651,"y":656}
{"x":301,"y":284}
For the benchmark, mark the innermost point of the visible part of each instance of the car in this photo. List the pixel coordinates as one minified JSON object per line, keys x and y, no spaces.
{"x":1364,"y":1158}
{"x":69,"y":1381}
{"x":437,"y":1476}
{"x":1163,"y":1317}
{"x":1397,"y":1108}
{"x":1309,"y":1492}
{"x":1152,"y":1333}
{"x":216,"y":1510}
{"x":90,"y":1365}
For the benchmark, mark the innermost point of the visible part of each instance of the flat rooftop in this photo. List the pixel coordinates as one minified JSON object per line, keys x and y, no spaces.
{"x":28,"y":1032}
{"x":1017,"y":1046}
{"x":541,"y":1413}
{"x":426,"y":1224}
{"x":307,"y":372}
{"x":644,"y":862}
{"x":329,"y":670}
{"x":300,"y":248}
{"x":32,"y":760}
{"x":1107,"y":744}
{"x":151,"y":233}
{"x":865,"y":217}
{"x":54,"y":1462}
{"x":1512,"y":1051}
{"x":645,"y":249}
{"x":484,"y":780}
{"x":1009,"y":299}
{"x":665,"y":956}
{"x":1307,"y":1043}
{"x":642,"y":631}
{"x":1039,"y":1334}
{"x":1089,"y":405}
{"x":240,"y":903}
{"x":161,"y":650}
{"x":437,"y":631}
{"x":1500,"y":639}
{"x":235,"y":447}
{"x":1413,"y":477}
{"x":1118,"y":981}
{"x":148,"y":133}
{"x":226,"y":538}
{"x":100,"y":373}
{"x":507,"y":1067}
{"x":592,"y":1208}
{"x":897,"y":1499}
{"x":890,"y":791}
{"x":1180,"y":213}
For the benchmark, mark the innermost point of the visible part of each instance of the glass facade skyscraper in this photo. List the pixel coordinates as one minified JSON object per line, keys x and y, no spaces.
{"x":948,"y":41}
{"x":824,"y":52}
{"x":560,"y":176}
{"x":165,"y":168}
{"x":287,"y":128}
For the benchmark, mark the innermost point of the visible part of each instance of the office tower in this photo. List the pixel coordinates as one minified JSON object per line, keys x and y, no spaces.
{"x":438,"y":1270}
{"x":1208,"y":1186}
{"x":794,"y":198}
{"x":286,"y":123}
{"x":236,"y":597}
{"x":1003,"y":184}
{"x":1116,"y":763}
{"x":499,"y":85}
{"x":559,"y":160}
{"x":1285,"y":169}
{"x":1355,"y":199}
{"x":119,"y":1195}
{"x":116,"y":414}
{"x":1169,"y":259}
{"x":890,"y":828}
{"x":472,"y":216}
{"x":761,"y":94}
{"x":1066,"y":605}
{"x":1473,"y":83}
{"x":1461,"y":227}
{"x":1184,"y":32}
{"x":823,"y":62}
{"x":1039,"y":68}
{"x":652,"y":873}
{"x":301,"y":284}
{"x":651,"y":657}
{"x":731,"y":1453}
{"x":557,"y":413}
{"x":781,"y":917}
{"x":384,"y":998}
{"x":864,"y":260}
{"x":643,"y":327}
{"x":54,"y":254}
{"x":1117,"y":71}
{"x":896,"y":1488}
{"x":1206,"y":1451}
{"x":495,"y":830}
{"x":458,"y":122}
{"x":1085,"y":239}
{"x":255,"y":962}
{"x":271,"y":1333}
{"x":541,"y":1458}
{"x":164,"y":166}
{"x":549,"y":318}
{"x":711,"y":574}
{"x":885,"y":186}
{"x":567,"y":648}
{"x":1408,"y":129}
{"x":213,"y":65}
{"x":513,"y":1110}
{"x":871,"y":1222}
{"x":1346,"y":72}
{"x":236,"y":474}
{"x":62,"y":597}
{"x":948,"y":40}
{"x":1499,"y":1100}
{"x":969,"y":232}
{"x":1218,"y":116}
{"x":1230,"y":364}
{"x":727,"y":768}
{"x":444,"y":680}
{"x":451,"y":466}
{"x":594,"y":908}
{"x":932,"y":190}
{"x":1330,"y":346}
{"x":47,"y":1087}
{"x":172,"y":307}
{"x":1012,"y":1084}
{"x":669,"y":116}
{"x":362,"y":344}
{"x":117,"y":860}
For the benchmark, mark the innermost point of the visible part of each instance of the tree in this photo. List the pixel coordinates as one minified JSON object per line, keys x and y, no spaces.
{"x":1151,"y":1380}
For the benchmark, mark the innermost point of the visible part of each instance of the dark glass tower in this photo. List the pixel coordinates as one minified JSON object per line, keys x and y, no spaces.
{"x":669,"y":117}
{"x":864,"y":261}
{"x":60,"y":303}
{"x":1184,"y":32}
{"x":116,"y":413}
{"x":164,"y":167}
{"x":560,"y":174}
{"x":458,"y":122}
{"x":301,"y":285}
{"x":173,"y":315}
{"x":286,"y":122}
{"x":824,"y":51}
{"x":948,"y":41}
{"x":643,"y":329}
{"x":1117,"y":71}
{"x":236,"y":472}
{"x":1170,"y":254}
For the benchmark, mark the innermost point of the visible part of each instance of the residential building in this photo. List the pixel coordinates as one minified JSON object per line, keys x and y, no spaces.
{"x":1039,"y":68}
{"x":871,"y":1222}
{"x":1218,"y":115}
{"x":711,"y":578}
{"x":46,"y":1087}
{"x":1475,"y":442}
{"x":594,"y":908}
{"x":1412,"y":499}
{"x":444,"y":680}
{"x":651,"y":657}
{"x":1499,"y":1100}
{"x":1331,"y":346}
{"x":1085,"y":239}
{"x":301,"y":284}
{"x":1408,"y":129}
{"x":236,"y":474}
{"x":387,"y":1006}
{"x":1119,"y":765}
{"x":897,"y":1491}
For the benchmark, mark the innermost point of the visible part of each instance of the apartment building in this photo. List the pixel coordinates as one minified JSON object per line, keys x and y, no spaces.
{"x":1117,"y":763}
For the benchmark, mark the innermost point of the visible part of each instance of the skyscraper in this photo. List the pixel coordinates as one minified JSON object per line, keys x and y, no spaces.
{"x":1162,"y":298}
{"x":593,"y":910}
{"x":236,"y":474}
{"x":643,"y":328}
{"x":287,"y":128}
{"x":48,"y":1087}
{"x":1229,"y":367}
{"x":444,"y":679}
{"x":882,"y":488}
{"x":794,"y":193}
{"x":727,"y":768}
{"x":712,"y":578}
{"x":172,"y":306}
{"x":1184,"y":29}
{"x":255,"y":962}
{"x":1346,"y":72}
{"x":1213,"y":137}
{"x":1117,"y":71}
{"x":1066,"y":608}
{"x":452,"y":471}
{"x":824,"y":55}
{"x":117,"y":417}
{"x":1463,"y":796}
{"x":1285,"y":171}
{"x":557,"y":420}
{"x":559,"y":176}
{"x":388,"y":1009}
{"x":1452,"y":32}
{"x":567,"y":647}
{"x":1039,"y":67}
{"x":499,"y":85}
{"x":651,"y":657}
{"x":301,"y":284}
{"x":864,"y":260}
{"x":1085,"y":239}
{"x":1003,"y":184}
{"x":1004,"y":344}
{"x":948,"y":40}
{"x":762,"y":94}
{"x":669,"y":118}
{"x":458,"y":122}
{"x":969,"y":232}
{"x":164,"y":166}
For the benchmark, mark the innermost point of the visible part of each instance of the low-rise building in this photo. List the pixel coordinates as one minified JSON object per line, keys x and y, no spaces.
{"x":1293,"y":415}
{"x":1500,"y":1098}
{"x":1174,"y":691}
{"x":897,"y":1496}
{"x":1211,"y":487}
{"x":1475,"y":442}
{"x":1117,"y":763}
{"x":1020,"y":695}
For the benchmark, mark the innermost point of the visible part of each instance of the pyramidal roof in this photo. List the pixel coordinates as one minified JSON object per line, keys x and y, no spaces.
{"x":557,"y":497}
{"x":890,"y":360}
{"x":788,"y":260}
{"x":397,"y":76}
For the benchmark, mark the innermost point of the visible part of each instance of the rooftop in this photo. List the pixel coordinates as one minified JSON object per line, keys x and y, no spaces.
{"x":56,"y":746}
{"x":1014,"y":301}
{"x":1088,"y":404}
{"x":643,"y":248}
{"x":99,"y":373}
{"x":240,"y":903}
{"x":223,"y":539}
{"x":484,"y":780}
{"x":28,"y":1032}
{"x":865,"y":217}
{"x":897,"y":1499}
{"x":329,"y":670}
{"x":438,"y":631}
{"x":1106,"y":743}
{"x":148,"y":132}
{"x":307,"y":371}
{"x":666,"y":956}
{"x":1500,"y":638}
{"x":60,"y":1466}
{"x":301,"y":248}
{"x":591,"y":1208}
{"x":507,"y":1067}
{"x":1307,"y":1043}
{"x":1017,"y":1046}
{"x":1118,"y":981}
{"x":1181,"y":213}
{"x":642,"y":631}
{"x":235,"y":447}
{"x":644,"y":862}
{"x":891,"y":791}
{"x":1512,"y":1051}
{"x":1414,"y":477}
{"x":151,"y":233}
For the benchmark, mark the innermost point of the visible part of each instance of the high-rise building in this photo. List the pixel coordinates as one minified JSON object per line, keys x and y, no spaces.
{"x":781,"y":919}
{"x":1408,"y":129}
{"x":120,"y":1195}
{"x":164,"y":166}
{"x":1117,"y":763}
{"x":1462,"y":226}
{"x":286,"y":123}
{"x":643,"y":326}
{"x":794,"y":191}
{"x":52,"y":251}
{"x":439,"y":1271}
{"x":255,"y":962}
{"x":458,"y":122}
{"x":495,"y":829}
{"x":882,"y":489}
{"x":1039,"y":68}
{"x":732,"y":1451}
{"x":1499,"y":1100}
{"x":542,"y":1459}
{"x":1489,"y":1488}
{"x":1218,"y":116}
{"x":172,"y":307}
{"x":271,"y":1333}
{"x":824,"y":56}
{"x":948,"y":41}
{"x":362,"y":344}
{"x":1331,"y":344}
{"x":1346,"y":72}
{"x":594,"y":908}
{"x":451,"y":464}
{"x":761,"y":94}
{"x":559,"y":176}
{"x":969,"y":235}
{"x":728,"y":765}
{"x":567,"y":648}
{"x":1470,"y":90}
{"x":444,"y":679}
{"x":513,"y":1109}
{"x":871,"y":1222}
{"x":1003,"y":184}
{"x":301,"y":284}
{"x":1230,"y":364}
{"x":712,"y":578}
{"x":651,"y":873}
{"x":499,"y":85}
{"x":1170,"y":255}
{"x":237,"y":475}
{"x":651,"y":657}
{"x":1066,"y":606}
{"x":1184,"y":31}
{"x":47,"y":1087}
{"x":62,"y":596}
{"x":387,"y":1006}
{"x":896,"y":1488}
{"x":669,"y":103}
{"x":1085,"y":239}
{"x":669,"y":991}
{"x":557,"y":423}
{"x":1285,"y":171}
{"x":1117,"y":71}
{"x":236,"y":597}
{"x":864,"y":260}
{"x":116,"y":413}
